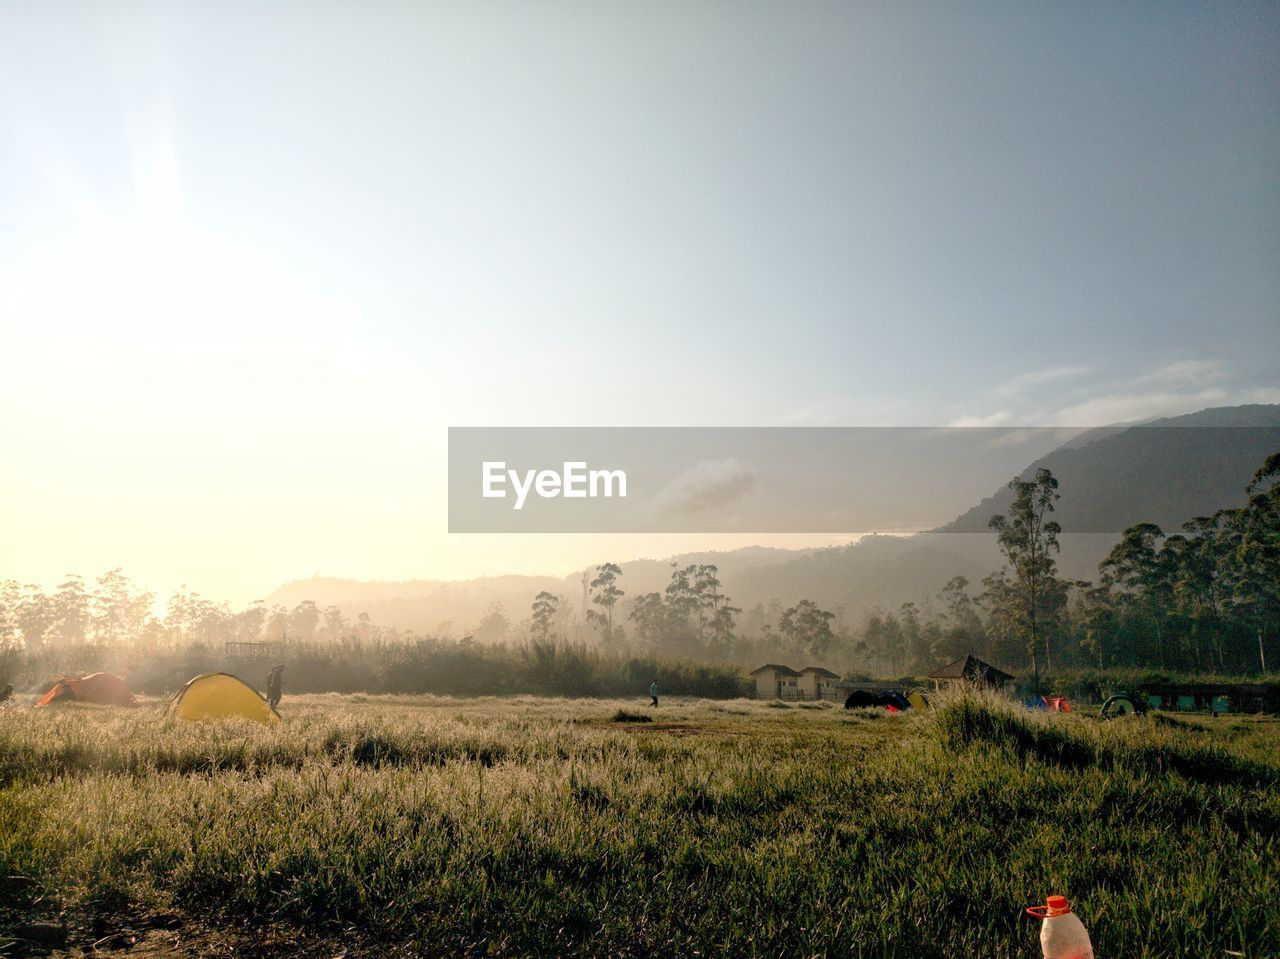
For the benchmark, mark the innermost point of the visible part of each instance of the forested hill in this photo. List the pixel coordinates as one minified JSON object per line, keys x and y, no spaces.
{"x":1165,"y":472}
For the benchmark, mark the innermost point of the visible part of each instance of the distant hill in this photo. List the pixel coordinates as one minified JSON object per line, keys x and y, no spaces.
{"x":425,"y":605}
{"x":1165,"y":471}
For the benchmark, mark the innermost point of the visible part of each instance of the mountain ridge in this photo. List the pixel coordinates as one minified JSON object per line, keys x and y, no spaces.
{"x":1179,"y":475}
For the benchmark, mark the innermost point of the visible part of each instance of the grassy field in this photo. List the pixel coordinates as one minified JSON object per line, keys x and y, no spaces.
{"x":511,"y":827}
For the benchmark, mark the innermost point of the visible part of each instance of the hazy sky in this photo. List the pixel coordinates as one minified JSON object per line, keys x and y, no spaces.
{"x":255,"y":258}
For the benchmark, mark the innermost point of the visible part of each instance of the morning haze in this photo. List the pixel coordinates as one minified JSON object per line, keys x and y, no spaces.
{"x":928,"y":350}
{"x":256,"y":262}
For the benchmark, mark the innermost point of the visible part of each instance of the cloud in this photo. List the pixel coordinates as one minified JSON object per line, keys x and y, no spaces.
{"x":1132,"y":407}
{"x":1078,"y":396}
{"x":1056,"y":374}
{"x":999,"y":418}
{"x":1185,"y":373}
{"x":707,"y":485}
{"x":1034,"y":434}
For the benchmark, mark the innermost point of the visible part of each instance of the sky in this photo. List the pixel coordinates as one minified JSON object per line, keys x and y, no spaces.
{"x":256,"y":259}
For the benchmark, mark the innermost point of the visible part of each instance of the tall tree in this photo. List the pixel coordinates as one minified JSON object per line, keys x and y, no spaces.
{"x":805,"y":626}
{"x":1140,"y":572}
{"x":1097,"y":613}
{"x":962,"y":631}
{"x":605,"y":593}
{"x":1029,"y":541}
{"x":544,"y":609}
{"x":1257,"y":557}
{"x":649,"y":613}
{"x":72,"y":611}
{"x":493,"y":626}
{"x":684,"y":604}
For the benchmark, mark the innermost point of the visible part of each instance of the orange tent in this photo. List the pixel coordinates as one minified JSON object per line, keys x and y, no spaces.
{"x":95,"y":688}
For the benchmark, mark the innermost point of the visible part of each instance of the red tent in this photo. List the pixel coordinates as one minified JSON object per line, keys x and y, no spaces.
{"x":95,"y":688}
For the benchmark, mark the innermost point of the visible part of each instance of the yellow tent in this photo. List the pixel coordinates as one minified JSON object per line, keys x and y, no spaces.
{"x":220,"y":696}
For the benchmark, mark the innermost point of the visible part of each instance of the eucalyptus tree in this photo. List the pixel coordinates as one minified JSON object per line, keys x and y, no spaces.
{"x":716,"y":614}
{"x":806,"y":626}
{"x":1197,"y":561}
{"x":72,"y":611}
{"x":651,"y":618}
{"x":1140,"y":574}
{"x":1029,"y":540}
{"x":1096,"y":610}
{"x":962,"y":630}
{"x":683,"y":603}
{"x":1257,"y":553}
{"x":605,"y":593}
{"x":543,"y":613}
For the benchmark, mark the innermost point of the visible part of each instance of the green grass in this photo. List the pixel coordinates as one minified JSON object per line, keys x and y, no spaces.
{"x":507,"y":827}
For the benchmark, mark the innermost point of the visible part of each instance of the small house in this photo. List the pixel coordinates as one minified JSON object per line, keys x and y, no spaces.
{"x":970,"y":670}
{"x":774,"y":681}
{"x":814,"y":682}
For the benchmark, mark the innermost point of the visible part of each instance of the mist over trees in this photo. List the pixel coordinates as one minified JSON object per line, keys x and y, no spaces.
{"x":1203,"y":598}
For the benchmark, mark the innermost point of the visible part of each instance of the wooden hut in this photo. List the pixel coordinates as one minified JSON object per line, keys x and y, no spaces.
{"x":971,"y":670}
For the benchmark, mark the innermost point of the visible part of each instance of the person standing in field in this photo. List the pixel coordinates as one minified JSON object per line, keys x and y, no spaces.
{"x":653,"y":692}
{"x":275,"y":684}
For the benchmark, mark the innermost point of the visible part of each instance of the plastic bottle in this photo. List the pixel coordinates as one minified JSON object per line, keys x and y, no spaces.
{"x":1062,"y":934}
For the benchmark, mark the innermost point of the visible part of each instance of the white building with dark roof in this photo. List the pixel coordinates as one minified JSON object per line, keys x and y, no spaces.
{"x":775,"y":681}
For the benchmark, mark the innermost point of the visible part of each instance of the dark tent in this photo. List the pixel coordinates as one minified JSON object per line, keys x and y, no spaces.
{"x":860,"y":697}
{"x":883,"y":698}
{"x":891,"y":697}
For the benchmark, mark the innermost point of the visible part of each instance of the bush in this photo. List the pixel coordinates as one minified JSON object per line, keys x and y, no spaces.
{"x":1074,"y":742}
{"x":414,"y":666}
{"x":622,"y":716}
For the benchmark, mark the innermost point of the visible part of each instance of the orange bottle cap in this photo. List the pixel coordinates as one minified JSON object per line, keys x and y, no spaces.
{"x":1054,"y":906}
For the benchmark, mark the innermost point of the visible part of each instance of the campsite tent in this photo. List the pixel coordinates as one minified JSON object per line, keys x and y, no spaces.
{"x":220,"y":696}
{"x":94,"y":688}
{"x":889,"y":699}
{"x":861,"y":698}
{"x":893,"y":700}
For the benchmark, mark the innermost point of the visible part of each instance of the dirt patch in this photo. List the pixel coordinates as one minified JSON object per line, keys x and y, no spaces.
{"x":680,"y":729}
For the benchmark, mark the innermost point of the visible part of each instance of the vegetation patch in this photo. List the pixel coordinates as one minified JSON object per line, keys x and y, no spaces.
{"x":528,"y":826}
{"x":1069,"y":742}
{"x":622,"y":716}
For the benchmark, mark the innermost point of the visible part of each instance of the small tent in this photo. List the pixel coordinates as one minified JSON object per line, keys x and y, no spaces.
{"x":101,"y":688}
{"x":861,"y":698}
{"x":894,"y":701}
{"x":220,"y":696}
{"x":889,"y":699}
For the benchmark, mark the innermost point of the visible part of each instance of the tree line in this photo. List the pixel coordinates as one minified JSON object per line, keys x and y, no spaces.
{"x":112,"y":611}
{"x":1203,"y":598}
